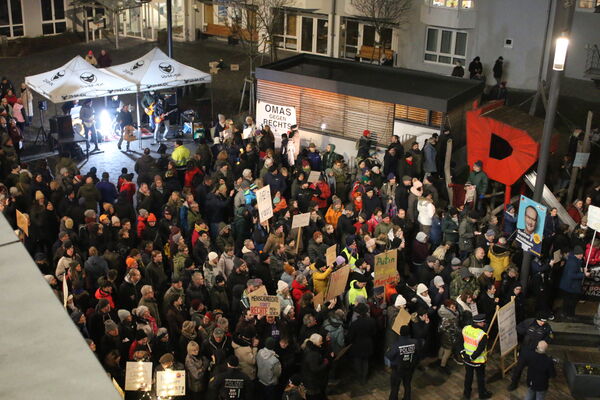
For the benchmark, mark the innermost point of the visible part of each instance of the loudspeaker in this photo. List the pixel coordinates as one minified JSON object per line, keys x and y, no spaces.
{"x":62,"y":125}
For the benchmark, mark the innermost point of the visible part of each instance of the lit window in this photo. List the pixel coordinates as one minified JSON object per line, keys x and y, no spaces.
{"x":467,"y":4}
{"x":445,"y":46}
{"x":452,"y":3}
{"x":589,"y":4}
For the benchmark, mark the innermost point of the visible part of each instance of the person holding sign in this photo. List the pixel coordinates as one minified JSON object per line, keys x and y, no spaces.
{"x":474,"y":355}
{"x":320,"y":275}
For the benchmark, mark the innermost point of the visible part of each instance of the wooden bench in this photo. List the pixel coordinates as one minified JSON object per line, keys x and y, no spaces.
{"x":370,"y":53}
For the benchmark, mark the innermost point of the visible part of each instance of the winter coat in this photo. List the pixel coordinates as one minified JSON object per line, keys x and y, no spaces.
{"x":449,"y":328}
{"x":509,"y":223}
{"x":450,"y":230}
{"x":480,"y":181}
{"x":335,"y":329}
{"x":268,"y":367}
{"x":314,"y":369}
{"x":320,"y":279}
{"x":572,"y":275}
{"x":247,"y":357}
{"x":499,"y":260}
{"x":429,"y":156}
{"x":316,"y":250}
{"x":195,"y":369}
{"x":426,"y":211}
{"x":361,"y":335}
{"x":593,"y":253}
{"x":466,"y":235}
{"x":91,"y":196}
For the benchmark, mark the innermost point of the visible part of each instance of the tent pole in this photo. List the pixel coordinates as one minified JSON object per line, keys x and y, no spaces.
{"x":137,"y":109}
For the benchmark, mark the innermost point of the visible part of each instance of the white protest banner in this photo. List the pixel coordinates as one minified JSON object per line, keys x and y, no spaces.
{"x":279,"y":118}
{"x":264,"y":203}
{"x":138,"y":376}
{"x":594,"y":217}
{"x":170,"y":383}
{"x":507,"y":328}
{"x":300,"y":220}
{"x":266,"y":306}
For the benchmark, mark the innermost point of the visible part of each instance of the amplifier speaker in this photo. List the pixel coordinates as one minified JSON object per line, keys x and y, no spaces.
{"x":62,"y":125}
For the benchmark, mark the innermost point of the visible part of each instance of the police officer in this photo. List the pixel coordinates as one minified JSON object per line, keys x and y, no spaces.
{"x":231,"y":384}
{"x":403,"y":356}
{"x":533,"y":331}
{"x":475,"y":356}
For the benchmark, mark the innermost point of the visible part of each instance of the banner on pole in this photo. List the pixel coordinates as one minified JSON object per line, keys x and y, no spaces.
{"x":300,"y":220}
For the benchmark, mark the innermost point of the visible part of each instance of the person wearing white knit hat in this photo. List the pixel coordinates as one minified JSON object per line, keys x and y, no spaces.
{"x":400,"y":302}
{"x":423,"y":294}
{"x":283,"y":294}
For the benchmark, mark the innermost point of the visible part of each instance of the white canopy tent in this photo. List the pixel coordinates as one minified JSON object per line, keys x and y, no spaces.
{"x":77,"y":79}
{"x":154,"y":71}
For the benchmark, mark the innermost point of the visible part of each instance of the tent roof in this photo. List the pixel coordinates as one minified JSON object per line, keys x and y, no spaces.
{"x":77,"y":79}
{"x":155,"y":70}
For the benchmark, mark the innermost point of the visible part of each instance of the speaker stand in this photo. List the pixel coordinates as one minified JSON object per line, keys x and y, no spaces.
{"x":41,"y":132}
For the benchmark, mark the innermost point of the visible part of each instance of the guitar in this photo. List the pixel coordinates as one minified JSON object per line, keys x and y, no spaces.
{"x":160,"y":118}
{"x":150,"y":109}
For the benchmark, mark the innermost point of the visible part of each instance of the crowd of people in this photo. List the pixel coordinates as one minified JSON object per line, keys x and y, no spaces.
{"x":160,"y":264}
{"x":16,"y":112}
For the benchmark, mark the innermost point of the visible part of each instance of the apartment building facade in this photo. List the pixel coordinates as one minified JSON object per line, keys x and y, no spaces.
{"x":435,"y":35}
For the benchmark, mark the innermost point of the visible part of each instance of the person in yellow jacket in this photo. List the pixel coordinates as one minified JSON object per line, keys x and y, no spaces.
{"x":475,"y":356}
{"x":499,"y":259}
{"x":181,"y":154}
{"x":320,"y":275}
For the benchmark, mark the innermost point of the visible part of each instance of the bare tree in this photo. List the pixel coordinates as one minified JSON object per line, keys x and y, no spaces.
{"x":383,"y":14}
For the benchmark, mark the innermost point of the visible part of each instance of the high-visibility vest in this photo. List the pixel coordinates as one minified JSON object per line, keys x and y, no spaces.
{"x":472,"y":336}
{"x":353,"y":293}
{"x":351,"y":259}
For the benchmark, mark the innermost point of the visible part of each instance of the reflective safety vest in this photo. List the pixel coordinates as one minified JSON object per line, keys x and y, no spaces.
{"x":472,"y":336}
{"x":353,"y":293}
{"x":351,"y":259}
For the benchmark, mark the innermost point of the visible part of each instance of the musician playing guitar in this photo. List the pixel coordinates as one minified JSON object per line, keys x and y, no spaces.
{"x":148,"y":102}
{"x":161,"y":113}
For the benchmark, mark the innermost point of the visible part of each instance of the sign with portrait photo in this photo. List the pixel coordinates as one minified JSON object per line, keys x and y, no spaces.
{"x":530,"y":225}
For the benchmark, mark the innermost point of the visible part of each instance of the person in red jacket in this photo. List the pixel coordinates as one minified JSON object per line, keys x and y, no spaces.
{"x":593,"y":252}
{"x":128,"y":186}
{"x":299,"y":287}
{"x":321,"y":199}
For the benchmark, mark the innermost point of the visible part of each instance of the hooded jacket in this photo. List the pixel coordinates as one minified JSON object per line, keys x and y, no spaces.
{"x":268,"y":367}
{"x":499,"y":260}
{"x":247,"y":357}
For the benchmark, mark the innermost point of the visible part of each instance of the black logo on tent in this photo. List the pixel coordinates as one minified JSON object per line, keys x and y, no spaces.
{"x":88,"y":77}
{"x":58,"y":75}
{"x":166,"y":67}
{"x":137,"y":65}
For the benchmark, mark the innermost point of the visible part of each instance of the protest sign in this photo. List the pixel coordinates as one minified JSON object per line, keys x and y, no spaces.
{"x":385,"y":268}
{"x":23,"y":222}
{"x":264,"y":203}
{"x":581,"y":160}
{"x":507,"y":328}
{"x":300,"y":220}
{"x":314,"y":176}
{"x":331,"y":254}
{"x":279,"y":118}
{"x":594,"y":217}
{"x":261,"y":291}
{"x":264,"y":306}
{"x":319,"y":299}
{"x":403,"y":318}
{"x":530,"y":225}
{"x":170,"y":383}
{"x":138,"y":376}
{"x":337,"y":282}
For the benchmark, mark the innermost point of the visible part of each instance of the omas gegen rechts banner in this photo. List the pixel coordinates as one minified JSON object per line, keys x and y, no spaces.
{"x":279,"y":118}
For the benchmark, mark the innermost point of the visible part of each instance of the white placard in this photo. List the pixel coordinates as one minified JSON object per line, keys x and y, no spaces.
{"x":279,"y":118}
{"x":507,"y":328}
{"x":314,"y":176}
{"x":300,"y":220}
{"x":264,"y":203}
{"x":247,"y":133}
{"x":170,"y":383}
{"x":138,"y":376}
{"x":581,"y":160}
{"x":594,"y":217}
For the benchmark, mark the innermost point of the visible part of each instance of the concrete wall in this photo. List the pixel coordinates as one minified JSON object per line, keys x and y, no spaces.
{"x":584,"y":34}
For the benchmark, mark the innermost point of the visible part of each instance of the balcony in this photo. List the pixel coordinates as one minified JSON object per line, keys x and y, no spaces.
{"x":456,"y":14}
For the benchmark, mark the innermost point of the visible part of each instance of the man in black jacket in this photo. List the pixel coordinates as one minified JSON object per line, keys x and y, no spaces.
{"x":403,"y":356}
{"x":362,"y":335}
{"x":231,"y":384}
{"x":533,"y":332}
{"x":540,"y":370}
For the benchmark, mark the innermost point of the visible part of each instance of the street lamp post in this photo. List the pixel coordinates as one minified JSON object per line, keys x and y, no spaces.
{"x":558,"y":66}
